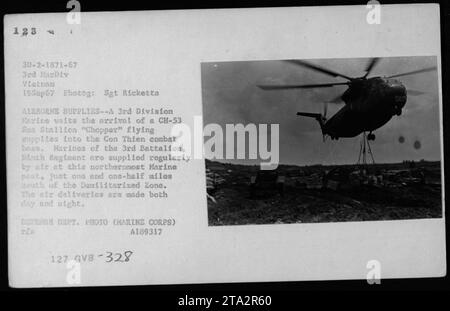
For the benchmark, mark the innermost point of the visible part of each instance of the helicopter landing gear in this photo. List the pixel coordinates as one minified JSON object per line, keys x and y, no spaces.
{"x":371,"y":136}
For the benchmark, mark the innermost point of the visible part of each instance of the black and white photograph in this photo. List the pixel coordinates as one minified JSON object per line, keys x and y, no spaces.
{"x":224,"y":148}
{"x":359,"y":140}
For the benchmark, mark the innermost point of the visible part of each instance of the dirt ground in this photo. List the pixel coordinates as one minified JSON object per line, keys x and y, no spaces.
{"x":232,"y":203}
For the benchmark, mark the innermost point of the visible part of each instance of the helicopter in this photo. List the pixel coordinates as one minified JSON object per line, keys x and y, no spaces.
{"x":370,"y":102}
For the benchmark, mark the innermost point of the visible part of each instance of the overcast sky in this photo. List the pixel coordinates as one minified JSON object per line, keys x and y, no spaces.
{"x":230,"y":95}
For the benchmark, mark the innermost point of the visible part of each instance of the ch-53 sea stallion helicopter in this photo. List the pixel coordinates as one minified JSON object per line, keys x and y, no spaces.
{"x":369,"y":102}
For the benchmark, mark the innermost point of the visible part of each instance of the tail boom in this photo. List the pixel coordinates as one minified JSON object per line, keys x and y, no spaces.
{"x":319,"y":118}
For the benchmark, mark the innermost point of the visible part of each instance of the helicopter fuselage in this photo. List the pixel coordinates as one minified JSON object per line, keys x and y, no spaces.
{"x":369,"y":104}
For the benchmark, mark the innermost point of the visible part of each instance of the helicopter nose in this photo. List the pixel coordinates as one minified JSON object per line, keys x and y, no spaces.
{"x":398,"y":96}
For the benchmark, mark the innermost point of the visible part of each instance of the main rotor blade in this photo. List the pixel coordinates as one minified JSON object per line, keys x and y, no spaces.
{"x":301,"y":86}
{"x":371,"y":65}
{"x":414,"y":92}
{"x":317,"y":68}
{"x":412,"y":72}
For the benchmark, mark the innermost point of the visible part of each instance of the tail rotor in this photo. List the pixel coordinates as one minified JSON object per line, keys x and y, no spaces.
{"x":324,"y":119}
{"x":320,"y":118}
{"x":325,"y":110}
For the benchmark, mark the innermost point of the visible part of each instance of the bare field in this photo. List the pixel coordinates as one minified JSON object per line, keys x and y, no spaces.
{"x":397,"y":194}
